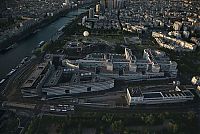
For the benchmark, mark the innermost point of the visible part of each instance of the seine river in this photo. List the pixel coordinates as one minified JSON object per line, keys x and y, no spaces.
{"x":24,"y":48}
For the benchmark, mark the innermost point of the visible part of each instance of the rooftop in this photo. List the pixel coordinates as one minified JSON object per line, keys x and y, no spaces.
{"x":164,"y":93}
{"x":135,"y":92}
{"x":152,"y":95}
{"x":35,"y":75}
{"x":54,"y":78}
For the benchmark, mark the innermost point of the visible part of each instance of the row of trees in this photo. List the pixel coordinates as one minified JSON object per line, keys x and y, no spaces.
{"x":117,"y":123}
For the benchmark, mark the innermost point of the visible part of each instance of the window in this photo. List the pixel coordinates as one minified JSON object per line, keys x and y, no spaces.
{"x":67,"y":91}
{"x":89,"y":89}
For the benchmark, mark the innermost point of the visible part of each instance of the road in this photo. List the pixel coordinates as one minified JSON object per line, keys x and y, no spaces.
{"x":39,"y":107}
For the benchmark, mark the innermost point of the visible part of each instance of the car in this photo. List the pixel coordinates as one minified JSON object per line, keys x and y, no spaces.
{"x":24,"y":60}
{"x":73,"y":101}
{"x":41,"y":44}
{"x":72,"y":106}
{"x":51,"y":106}
{"x":17,"y":67}
{"x":11,"y":72}
{"x":2,"y":81}
{"x":58,"y":110}
{"x":20,"y":65}
{"x":52,"y":109}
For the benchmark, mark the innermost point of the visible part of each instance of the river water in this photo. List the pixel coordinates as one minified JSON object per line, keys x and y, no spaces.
{"x":24,"y":48}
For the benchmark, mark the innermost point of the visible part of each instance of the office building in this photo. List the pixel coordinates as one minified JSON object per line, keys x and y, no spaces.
{"x":195,"y":80}
{"x":31,"y":87}
{"x":154,"y":65}
{"x":97,"y":8}
{"x":177,"y":26}
{"x":136,"y":96}
{"x":55,"y":79}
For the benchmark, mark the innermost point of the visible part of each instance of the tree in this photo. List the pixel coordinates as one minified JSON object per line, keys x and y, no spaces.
{"x":108,"y":118}
{"x":117,"y":126}
{"x":173,"y":127}
{"x":190,"y":116}
{"x":126,"y":131}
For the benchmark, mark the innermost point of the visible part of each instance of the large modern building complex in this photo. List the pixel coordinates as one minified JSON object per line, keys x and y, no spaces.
{"x":171,"y":95}
{"x":57,"y":77}
{"x":153,"y":65}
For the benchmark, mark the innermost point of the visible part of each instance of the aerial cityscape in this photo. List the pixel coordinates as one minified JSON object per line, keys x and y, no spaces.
{"x":99,"y":67}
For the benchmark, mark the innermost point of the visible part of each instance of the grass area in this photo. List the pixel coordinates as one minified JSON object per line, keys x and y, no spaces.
{"x":112,"y":123}
{"x":53,"y":47}
{"x":113,"y":39}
